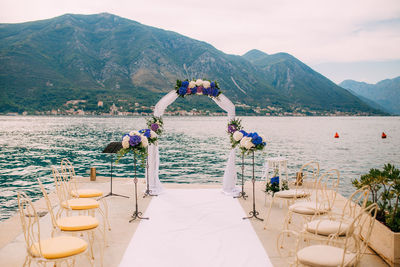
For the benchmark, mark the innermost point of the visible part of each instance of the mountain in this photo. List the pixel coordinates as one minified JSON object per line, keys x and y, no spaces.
{"x":385,"y":93}
{"x":113,"y":60}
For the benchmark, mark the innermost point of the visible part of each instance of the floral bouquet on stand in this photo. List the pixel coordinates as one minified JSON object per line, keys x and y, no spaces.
{"x":235,"y":131}
{"x":273,"y":185}
{"x":137,"y":142}
{"x":155,"y":124}
{"x":197,"y":87}
{"x":250,"y":142}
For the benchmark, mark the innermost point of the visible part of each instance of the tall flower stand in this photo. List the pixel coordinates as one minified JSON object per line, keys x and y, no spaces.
{"x":136,"y":214}
{"x":253,"y":213}
{"x":242,"y":193}
{"x":148,"y":191}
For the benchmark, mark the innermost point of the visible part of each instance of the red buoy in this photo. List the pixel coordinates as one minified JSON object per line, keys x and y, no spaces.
{"x":383,"y":135}
{"x":336,"y":135}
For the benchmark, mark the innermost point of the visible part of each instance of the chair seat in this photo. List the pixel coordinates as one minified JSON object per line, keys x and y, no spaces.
{"x":81,"y":203}
{"x":292,"y":193}
{"x":77,"y":223}
{"x":324,"y":256}
{"x":59,"y":247}
{"x":308,"y":208}
{"x":86,"y":193}
{"x":326,"y":227}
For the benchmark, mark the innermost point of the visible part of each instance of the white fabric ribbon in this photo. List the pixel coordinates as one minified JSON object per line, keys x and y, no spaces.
{"x":230,"y":177}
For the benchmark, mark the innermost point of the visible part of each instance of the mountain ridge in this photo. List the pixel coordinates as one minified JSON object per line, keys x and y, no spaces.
{"x":107,"y":58}
{"x":385,"y":93}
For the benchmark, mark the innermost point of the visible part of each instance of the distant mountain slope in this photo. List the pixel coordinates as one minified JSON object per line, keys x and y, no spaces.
{"x":386,"y":93}
{"x":115,"y":60}
{"x":300,"y":83}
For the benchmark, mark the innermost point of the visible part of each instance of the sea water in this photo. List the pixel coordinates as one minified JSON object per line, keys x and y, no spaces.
{"x":192,"y":150}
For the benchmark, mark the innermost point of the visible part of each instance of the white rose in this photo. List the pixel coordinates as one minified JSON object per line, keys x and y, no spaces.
{"x":192,"y":84}
{"x":237,"y":136}
{"x":243,"y":141}
{"x":199,"y":82}
{"x":263,"y":138}
{"x":248,"y":145}
{"x":125,"y":144}
{"x":206,"y":84}
{"x":153,"y":134}
{"x":132,"y":133}
{"x":145,"y":142}
{"x":126,"y":138}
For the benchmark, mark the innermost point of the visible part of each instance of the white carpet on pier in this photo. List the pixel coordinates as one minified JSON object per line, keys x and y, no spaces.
{"x":197,"y":228}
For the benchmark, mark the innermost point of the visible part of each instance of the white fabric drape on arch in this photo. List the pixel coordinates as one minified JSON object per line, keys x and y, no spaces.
{"x":230,"y":177}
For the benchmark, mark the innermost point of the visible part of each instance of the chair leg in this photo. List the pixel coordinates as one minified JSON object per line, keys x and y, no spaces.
{"x":269,"y":212}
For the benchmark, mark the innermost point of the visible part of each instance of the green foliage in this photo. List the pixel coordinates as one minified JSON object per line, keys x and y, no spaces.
{"x":272,"y":188}
{"x":140,"y":153}
{"x":156,"y":120}
{"x":385,"y":191}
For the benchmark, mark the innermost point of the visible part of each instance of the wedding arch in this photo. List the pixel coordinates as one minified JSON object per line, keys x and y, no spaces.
{"x":229,"y":178}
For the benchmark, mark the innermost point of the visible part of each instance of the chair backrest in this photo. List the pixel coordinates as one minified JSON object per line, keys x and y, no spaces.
{"x":356,"y":202}
{"x":68,"y":174}
{"x":48,"y":204}
{"x":327,"y":188}
{"x":29,"y":222}
{"x":359,"y":232}
{"x":309,"y":177}
{"x":62,"y":187}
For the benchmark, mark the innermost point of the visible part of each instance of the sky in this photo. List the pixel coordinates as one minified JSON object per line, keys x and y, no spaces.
{"x":342,"y":39}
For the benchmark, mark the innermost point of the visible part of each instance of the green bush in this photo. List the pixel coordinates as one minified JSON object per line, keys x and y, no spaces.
{"x":385,"y":191}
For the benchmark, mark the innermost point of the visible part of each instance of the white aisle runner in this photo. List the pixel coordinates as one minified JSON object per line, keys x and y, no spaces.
{"x":194,"y":228}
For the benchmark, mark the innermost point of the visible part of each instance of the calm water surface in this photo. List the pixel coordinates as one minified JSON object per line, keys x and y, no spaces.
{"x":193,"y":149}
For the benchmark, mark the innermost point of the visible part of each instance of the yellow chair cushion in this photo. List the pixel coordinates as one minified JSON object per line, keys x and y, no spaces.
{"x":81,"y":203}
{"x":77,"y":223}
{"x":291,"y":193}
{"x":308,"y":208}
{"x":324,"y":256}
{"x":85,"y":193}
{"x":59,"y":247}
{"x":327,"y":227}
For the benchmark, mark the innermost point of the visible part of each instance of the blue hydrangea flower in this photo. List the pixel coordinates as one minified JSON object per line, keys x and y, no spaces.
{"x":185,"y":84}
{"x":194,"y":90}
{"x":135,"y":140}
{"x":182,"y":91}
{"x":244,"y":133}
{"x":212,"y":84}
{"x":256,"y":140}
{"x":214,"y":91}
{"x":204,"y":91}
{"x":147,"y":133}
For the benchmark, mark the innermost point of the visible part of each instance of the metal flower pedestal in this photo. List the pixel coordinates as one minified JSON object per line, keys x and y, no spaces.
{"x":242,"y":193}
{"x":148,"y":191}
{"x":253,"y":213}
{"x":136,"y":214}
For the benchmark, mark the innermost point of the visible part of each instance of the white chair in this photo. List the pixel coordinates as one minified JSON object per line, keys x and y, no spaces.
{"x":300,"y":189}
{"x":56,"y":250}
{"x":88,"y":206}
{"x":312,"y":250}
{"x":336,"y":223}
{"x":69,"y":176}
{"x":74,"y":224}
{"x":320,"y":202}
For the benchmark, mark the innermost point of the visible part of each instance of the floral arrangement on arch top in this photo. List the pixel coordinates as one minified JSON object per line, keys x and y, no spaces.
{"x":247,"y":142}
{"x":197,"y":87}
